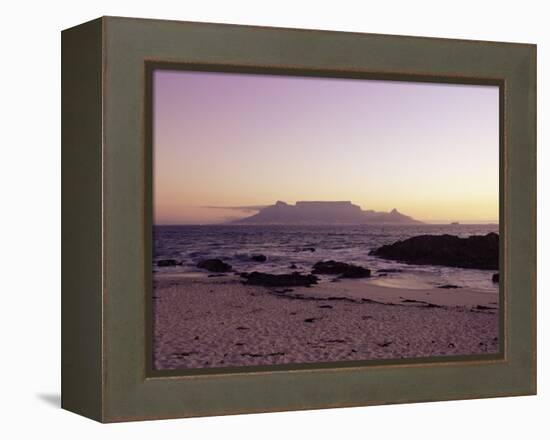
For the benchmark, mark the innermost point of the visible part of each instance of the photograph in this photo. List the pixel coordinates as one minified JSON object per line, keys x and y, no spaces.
{"x":314,"y":220}
{"x":293,"y":221}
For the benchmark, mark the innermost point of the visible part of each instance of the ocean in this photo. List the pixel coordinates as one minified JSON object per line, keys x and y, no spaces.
{"x":285,"y":245}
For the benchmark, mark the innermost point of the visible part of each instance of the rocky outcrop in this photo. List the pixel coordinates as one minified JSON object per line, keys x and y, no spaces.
{"x":345,"y":270}
{"x":293,"y":279}
{"x":259,"y":258}
{"x":474,"y":252}
{"x":167,"y":263}
{"x":214,"y":265}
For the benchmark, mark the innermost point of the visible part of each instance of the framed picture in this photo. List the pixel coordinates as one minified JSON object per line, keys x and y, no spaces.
{"x":263,"y":219}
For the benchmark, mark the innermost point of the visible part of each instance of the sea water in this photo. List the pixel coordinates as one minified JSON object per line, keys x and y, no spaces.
{"x":303,"y":246}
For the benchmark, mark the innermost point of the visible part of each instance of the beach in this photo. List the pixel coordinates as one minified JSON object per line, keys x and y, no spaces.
{"x":203,"y":321}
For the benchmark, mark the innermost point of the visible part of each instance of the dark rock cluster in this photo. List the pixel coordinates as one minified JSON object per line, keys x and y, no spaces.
{"x":345,"y":270}
{"x":260,"y":258}
{"x":214,"y":265}
{"x":167,"y":263}
{"x":474,"y":252}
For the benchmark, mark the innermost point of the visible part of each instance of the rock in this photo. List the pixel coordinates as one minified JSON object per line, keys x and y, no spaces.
{"x":385,"y":343}
{"x":495,"y":278}
{"x":474,"y":252}
{"x":448,"y":286}
{"x":345,"y":270}
{"x":214,"y":265}
{"x":482,"y":307}
{"x":293,"y":266}
{"x":285,"y":280}
{"x":284,"y":291}
{"x":166,"y":263}
{"x":259,"y":258}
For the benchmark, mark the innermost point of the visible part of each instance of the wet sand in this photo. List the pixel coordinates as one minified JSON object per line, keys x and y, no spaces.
{"x":205,"y":322}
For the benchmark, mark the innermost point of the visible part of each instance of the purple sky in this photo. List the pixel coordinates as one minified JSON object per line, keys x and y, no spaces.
{"x":221,"y":139}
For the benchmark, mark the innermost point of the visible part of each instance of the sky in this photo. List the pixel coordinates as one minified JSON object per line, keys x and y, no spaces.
{"x":228,"y":140}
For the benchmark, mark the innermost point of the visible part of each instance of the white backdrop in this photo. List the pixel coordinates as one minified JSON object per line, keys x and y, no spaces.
{"x":30,"y":220}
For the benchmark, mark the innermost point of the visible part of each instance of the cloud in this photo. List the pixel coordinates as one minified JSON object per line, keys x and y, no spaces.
{"x":252,"y":208}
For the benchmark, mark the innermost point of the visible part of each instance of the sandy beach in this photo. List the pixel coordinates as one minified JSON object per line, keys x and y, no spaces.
{"x":203,"y":322}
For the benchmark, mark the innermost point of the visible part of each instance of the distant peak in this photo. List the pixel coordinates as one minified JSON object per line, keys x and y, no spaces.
{"x":279,"y":203}
{"x":394,"y":211}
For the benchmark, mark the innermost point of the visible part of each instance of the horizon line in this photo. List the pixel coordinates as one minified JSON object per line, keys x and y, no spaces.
{"x":425,"y":222}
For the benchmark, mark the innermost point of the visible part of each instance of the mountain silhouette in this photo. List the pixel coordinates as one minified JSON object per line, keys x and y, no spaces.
{"x":323,"y":213}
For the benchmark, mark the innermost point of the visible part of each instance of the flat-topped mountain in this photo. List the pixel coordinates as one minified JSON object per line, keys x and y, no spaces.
{"x":323,"y":213}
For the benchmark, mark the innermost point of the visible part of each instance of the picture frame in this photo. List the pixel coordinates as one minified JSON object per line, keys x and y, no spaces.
{"x":107,"y":218}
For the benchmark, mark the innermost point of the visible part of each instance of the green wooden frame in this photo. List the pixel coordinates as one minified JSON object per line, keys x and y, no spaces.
{"x":106,"y":215}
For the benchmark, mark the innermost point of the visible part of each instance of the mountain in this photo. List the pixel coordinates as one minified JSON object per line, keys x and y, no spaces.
{"x":323,"y":213}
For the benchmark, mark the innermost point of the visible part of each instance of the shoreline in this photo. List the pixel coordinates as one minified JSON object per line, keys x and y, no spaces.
{"x":203,"y":322}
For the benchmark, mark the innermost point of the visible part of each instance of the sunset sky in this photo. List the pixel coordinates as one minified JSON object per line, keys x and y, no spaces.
{"x":231,"y":140}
